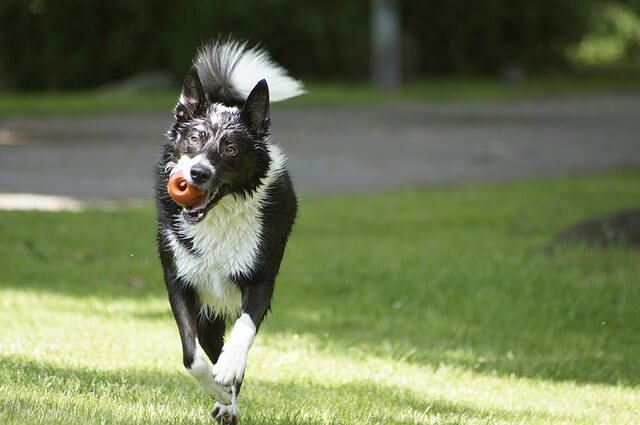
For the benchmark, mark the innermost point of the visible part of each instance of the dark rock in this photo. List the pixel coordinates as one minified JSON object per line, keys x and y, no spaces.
{"x":617,"y":228}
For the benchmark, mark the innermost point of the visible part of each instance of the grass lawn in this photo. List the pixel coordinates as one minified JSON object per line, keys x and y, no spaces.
{"x":416,"y":307}
{"x":465,"y":90}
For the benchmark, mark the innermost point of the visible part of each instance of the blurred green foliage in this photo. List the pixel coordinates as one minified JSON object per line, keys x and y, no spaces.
{"x":486,"y":36}
{"x":613,"y":37}
{"x":72,"y":44}
{"x":76,"y":44}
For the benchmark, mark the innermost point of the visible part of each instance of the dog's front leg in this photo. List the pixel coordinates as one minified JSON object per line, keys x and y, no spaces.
{"x":230,"y":367}
{"x":184,"y":306}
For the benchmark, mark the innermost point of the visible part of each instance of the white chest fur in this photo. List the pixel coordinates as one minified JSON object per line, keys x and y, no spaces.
{"x":225,"y":243}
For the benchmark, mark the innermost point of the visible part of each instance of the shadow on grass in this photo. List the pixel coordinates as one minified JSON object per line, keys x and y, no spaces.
{"x":38,"y":391}
{"x":103,"y":254}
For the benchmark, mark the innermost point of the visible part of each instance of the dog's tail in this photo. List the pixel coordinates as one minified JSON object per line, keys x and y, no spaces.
{"x":228,"y":70}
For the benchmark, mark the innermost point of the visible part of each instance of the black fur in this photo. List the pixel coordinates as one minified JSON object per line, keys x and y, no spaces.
{"x":238,"y":175}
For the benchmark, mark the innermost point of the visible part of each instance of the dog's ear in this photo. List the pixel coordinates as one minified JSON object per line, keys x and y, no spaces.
{"x":192,"y":99}
{"x":255,"y":112}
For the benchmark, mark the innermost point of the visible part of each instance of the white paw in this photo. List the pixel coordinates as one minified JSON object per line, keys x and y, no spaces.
{"x":214,"y":390}
{"x":201,"y":370}
{"x":225,"y":414}
{"x":218,"y":392}
{"x":230,"y":367}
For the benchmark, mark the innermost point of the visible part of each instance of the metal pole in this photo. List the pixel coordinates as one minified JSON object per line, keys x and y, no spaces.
{"x":385,"y":43}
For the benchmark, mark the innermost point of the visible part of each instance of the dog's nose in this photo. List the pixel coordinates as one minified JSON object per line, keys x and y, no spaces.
{"x":200,"y":174}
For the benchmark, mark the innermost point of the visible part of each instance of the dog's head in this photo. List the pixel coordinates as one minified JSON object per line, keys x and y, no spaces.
{"x":219,"y":148}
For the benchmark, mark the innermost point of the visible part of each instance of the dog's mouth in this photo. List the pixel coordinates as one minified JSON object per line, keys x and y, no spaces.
{"x":196,"y":213}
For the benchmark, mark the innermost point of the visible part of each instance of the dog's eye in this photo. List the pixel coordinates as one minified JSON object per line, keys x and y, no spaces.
{"x":231,"y":150}
{"x":195,"y":139}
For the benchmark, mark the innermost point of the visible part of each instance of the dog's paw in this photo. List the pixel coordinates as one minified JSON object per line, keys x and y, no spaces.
{"x":216,"y":391}
{"x":201,"y":370}
{"x":230,"y":367}
{"x":225,"y":414}
{"x":219,"y":392}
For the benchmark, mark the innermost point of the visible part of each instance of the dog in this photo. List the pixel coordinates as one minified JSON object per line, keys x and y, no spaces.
{"x":221,"y":256}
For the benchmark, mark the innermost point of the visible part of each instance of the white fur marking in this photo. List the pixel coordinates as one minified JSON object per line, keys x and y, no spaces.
{"x":207,"y":275}
{"x":201,"y":370}
{"x":244,"y":67}
{"x":254,"y":65}
{"x":185,"y":163}
{"x":218,"y":108}
{"x":232,"y":362}
{"x":226,"y":244}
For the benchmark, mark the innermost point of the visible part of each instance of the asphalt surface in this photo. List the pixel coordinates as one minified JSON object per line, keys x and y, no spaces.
{"x":350,"y":149}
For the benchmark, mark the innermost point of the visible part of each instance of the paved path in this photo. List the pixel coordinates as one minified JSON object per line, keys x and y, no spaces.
{"x":340,"y":149}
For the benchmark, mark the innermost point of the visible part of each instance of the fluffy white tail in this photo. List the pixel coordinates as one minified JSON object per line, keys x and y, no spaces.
{"x":229,"y":70}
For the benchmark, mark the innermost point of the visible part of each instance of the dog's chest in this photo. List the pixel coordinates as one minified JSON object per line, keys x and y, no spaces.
{"x":225,"y":244}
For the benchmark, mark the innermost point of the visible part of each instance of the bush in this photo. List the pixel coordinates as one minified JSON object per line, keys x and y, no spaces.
{"x":74,"y":44}
{"x":613,"y":37}
{"x":483,"y":37}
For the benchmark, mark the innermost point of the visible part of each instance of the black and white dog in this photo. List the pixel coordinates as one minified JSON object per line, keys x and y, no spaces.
{"x":221,"y":256}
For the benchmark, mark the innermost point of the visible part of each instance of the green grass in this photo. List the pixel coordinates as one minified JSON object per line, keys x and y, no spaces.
{"x":416,"y":307}
{"x":465,"y":90}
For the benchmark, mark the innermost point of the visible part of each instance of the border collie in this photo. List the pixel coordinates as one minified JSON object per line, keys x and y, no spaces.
{"x":221,"y":256}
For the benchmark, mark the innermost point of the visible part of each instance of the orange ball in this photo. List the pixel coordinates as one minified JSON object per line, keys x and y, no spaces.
{"x":182,"y":192}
